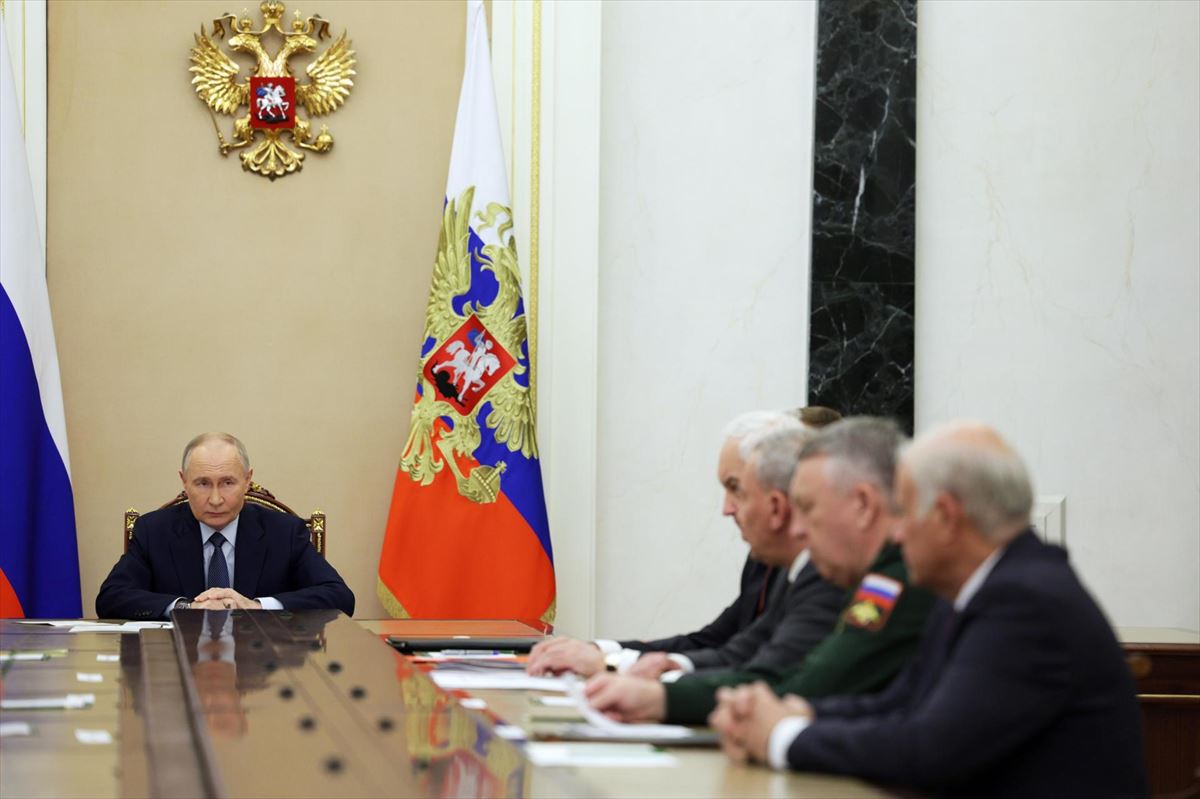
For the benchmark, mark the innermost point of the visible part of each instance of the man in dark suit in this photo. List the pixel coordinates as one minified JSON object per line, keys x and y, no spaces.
{"x":1019,"y":688}
{"x":216,"y":552}
{"x":757,"y":582}
{"x":754,"y":468}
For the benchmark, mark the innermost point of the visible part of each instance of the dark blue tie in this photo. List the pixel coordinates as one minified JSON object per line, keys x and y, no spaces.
{"x":218,"y":572}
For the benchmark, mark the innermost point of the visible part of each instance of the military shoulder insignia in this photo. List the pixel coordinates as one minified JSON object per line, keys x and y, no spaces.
{"x":873,"y":602}
{"x":271,"y":94}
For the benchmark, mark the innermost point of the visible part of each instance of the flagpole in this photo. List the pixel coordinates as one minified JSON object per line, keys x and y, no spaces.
{"x":535,"y":167}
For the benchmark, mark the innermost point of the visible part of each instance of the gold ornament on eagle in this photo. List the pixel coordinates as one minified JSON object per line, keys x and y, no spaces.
{"x":269,"y":111}
{"x":511,"y":416}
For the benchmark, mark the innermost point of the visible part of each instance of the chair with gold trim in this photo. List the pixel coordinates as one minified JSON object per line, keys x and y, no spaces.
{"x":259,"y":496}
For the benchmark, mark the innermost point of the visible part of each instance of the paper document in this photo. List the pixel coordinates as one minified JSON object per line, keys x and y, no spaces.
{"x":510,"y":680}
{"x":70,"y":701}
{"x":15,"y":728}
{"x":127,"y":627}
{"x":600,"y":755}
{"x":617,"y":729}
{"x":93,"y":737}
{"x":477,"y":665}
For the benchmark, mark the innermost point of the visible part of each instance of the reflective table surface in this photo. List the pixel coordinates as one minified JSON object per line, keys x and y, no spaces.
{"x":260,"y":703}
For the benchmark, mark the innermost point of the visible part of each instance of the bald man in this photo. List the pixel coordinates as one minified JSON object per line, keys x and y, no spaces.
{"x":1019,"y":688}
{"x":215,"y":552}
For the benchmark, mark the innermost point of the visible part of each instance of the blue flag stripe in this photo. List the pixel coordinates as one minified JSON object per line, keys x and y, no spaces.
{"x":40,"y":555}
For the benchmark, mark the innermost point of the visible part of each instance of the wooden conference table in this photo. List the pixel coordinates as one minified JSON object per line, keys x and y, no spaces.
{"x":299,"y":704}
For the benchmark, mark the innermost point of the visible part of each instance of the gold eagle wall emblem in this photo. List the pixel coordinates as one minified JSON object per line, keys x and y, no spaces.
{"x":271,"y":93}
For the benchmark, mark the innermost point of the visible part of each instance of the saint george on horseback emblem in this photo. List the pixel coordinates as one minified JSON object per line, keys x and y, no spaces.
{"x":272,"y":94}
{"x":274,"y":103}
{"x":467,"y":365}
{"x":474,"y":374}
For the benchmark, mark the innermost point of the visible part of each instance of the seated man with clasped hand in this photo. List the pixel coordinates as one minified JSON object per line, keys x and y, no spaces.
{"x":216,"y":552}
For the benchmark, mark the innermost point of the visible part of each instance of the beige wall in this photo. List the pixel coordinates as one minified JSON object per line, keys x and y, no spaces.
{"x":189,"y":295}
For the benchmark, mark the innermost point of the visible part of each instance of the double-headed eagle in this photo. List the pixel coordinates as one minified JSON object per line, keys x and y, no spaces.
{"x":272,"y":94}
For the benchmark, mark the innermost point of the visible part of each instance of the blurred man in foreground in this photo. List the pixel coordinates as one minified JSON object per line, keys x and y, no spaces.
{"x":1020,"y":687}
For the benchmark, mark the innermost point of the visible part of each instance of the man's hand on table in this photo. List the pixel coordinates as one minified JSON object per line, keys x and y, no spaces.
{"x":224,"y":599}
{"x":745,"y":717}
{"x":652,"y":665}
{"x":562,"y":655}
{"x":627,"y":699}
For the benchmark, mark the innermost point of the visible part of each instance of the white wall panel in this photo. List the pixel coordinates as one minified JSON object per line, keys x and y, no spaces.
{"x":1058,"y":270}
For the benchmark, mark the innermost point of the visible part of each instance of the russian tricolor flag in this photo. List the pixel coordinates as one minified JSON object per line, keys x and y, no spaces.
{"x":467,"y":534}
{"x":39,"y":557}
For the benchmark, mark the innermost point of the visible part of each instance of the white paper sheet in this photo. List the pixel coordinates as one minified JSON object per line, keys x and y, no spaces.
{"x":93,"y":737}
{"x":70,"y":701}
{"x":599,"y":755}
{"x":507,"y":680}
{"x":12,"y":729}
{"x":617,"y":729}
{"x":127,"y":627}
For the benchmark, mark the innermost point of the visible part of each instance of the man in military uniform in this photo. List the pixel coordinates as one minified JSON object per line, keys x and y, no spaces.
{"x":841,"y":495}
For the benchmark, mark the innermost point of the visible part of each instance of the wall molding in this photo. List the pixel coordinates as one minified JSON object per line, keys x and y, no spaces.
{"x":546,"y":61}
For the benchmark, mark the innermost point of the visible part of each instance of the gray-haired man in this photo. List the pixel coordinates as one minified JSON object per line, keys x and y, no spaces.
{"x":754,"y":469}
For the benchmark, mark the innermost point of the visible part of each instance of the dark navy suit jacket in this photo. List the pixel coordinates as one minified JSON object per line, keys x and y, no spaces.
{"x":799,"y":615}
{"x":1024,"y":693}
{"x":274,"y":557}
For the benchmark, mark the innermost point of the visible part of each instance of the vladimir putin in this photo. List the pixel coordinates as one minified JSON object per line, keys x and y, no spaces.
{"x":216,"y":552}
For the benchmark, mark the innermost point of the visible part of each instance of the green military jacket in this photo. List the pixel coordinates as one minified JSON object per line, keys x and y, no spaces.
{"x":877,"y":632}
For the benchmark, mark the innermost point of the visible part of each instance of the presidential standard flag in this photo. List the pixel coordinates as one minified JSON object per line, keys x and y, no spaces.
{"x":39,"y":559}
{"x":467,"y":535}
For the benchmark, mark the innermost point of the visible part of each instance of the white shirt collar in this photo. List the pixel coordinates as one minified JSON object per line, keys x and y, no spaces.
{"x":971,"y":587}
{"x":797,"y":566}
{"x":230,"y":532}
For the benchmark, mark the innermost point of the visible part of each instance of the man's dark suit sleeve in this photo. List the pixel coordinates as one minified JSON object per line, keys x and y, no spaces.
{"x":1005,"y":681}
{"x":805,"y":615}
{"x":127,"y":592}
{"x":314,"y":583}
